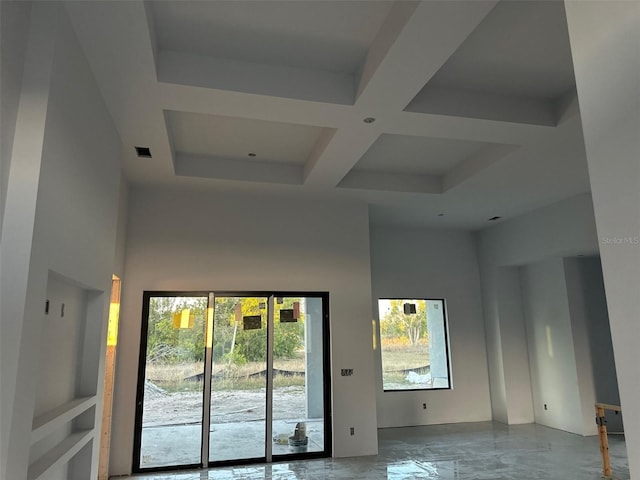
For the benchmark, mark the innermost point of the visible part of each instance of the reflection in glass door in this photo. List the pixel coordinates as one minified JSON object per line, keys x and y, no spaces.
{"x":232,"y":378}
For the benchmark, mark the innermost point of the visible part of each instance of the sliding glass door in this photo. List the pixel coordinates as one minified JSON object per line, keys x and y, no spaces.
{"x":298,"y":412}
{"x":170,"y":389}
{"x":239,"y":382}
{"x":232,"y":378}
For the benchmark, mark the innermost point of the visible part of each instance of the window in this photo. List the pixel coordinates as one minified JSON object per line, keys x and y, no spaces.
{"x":414,"y":344}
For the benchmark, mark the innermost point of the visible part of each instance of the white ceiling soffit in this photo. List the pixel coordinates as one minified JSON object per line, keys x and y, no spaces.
{"x":515,"y":66}
{"x":474,"y":105}
{"x":234,"y":148}
{"x":312,"y":50}
{"x":421,"y":164}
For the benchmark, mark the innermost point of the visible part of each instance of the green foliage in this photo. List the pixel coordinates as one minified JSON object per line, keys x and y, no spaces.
{"x":232,"y":344}
{"x":236,"y":357}
{"x":287,"y":340}
{"x":395,"y":324}
{"x":253,"y":343}
{"x":168,"y":344}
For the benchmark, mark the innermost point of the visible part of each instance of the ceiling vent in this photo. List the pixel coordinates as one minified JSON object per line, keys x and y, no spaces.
{"x":143,"y":152}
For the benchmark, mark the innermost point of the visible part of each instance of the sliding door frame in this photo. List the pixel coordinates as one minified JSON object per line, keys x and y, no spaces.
{"x":142,"y":363}
{"x":207,"y":385}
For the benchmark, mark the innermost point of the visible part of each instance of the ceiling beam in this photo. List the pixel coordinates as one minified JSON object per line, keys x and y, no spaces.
{"x":410,"y":48}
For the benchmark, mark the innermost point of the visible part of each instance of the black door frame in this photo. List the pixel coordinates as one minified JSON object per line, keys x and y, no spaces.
{"x":142,"y":357}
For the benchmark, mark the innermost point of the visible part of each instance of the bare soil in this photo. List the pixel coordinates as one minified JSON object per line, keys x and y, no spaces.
{"x":179,"y":408}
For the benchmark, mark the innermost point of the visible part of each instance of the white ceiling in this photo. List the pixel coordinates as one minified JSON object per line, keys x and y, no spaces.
{"x":474,"y":104}
{"x":410,"y":155}
{"x":328,"y":35}
{"x":237,"y":138}
{"x":521,"y":48}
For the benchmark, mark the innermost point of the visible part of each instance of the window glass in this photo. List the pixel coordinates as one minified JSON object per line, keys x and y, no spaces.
{"x":414,"y":344}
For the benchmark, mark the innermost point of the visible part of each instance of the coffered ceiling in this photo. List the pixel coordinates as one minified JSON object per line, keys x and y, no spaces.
{"x":434,"y":113}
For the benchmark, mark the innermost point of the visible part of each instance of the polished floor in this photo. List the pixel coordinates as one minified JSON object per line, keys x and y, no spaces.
{"x":475,"y":451}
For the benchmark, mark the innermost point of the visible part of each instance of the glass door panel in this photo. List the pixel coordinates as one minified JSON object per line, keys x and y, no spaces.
{"x":170,"y":396}
{"x":298,"y":376}
{"x":239,"y":379}
{"x":231,"y":379}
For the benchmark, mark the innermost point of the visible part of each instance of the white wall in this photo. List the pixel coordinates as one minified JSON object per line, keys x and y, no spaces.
{"x":60,"y":216}
{"x":14,"y":18}
{"x":563,"y":229}
{"x":121,"y":230}
{"x":421,"y":263}
{"x":517,"y":381}
{"x":605,"y":46}
{"x":592,"y":337}
{"x":552,"y":355}
{"x":192,"y":241}
{"x":59,"y":356}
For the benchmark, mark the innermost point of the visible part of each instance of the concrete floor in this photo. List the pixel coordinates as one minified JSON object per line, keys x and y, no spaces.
{"x":180,"y":444}
{"x":472,"y":451}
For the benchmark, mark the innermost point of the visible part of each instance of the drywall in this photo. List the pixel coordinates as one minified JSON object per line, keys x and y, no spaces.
{"x":181,"y":240}
{"x":607,"y":71}
{"x":60,"y":216}
{"x":513,"y":335}
{"x":552,"y":357}
{"x":14,"y":28}
{"x":60,"y":351}
{"x":59,"y":357}
{"x":422,"y":263}
{"x":592,"y":338}
{"x":563,"y":229}
{"x":121,"y":230}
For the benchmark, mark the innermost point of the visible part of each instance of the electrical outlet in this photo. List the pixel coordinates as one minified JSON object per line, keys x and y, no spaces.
{"x":545,"y":407}
{"x":346,"y":372}
{"x":352,"y":430}
{"x":424,"y":406}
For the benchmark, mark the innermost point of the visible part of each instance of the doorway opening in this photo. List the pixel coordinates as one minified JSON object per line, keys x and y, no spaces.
{"x":232,"y":377}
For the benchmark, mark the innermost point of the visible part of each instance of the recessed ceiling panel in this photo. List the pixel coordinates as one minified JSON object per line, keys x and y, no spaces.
{"x":321,"y":35}
{"x":241,"y":138}
{"x":520,"y":49}
{"x":405,"y":154}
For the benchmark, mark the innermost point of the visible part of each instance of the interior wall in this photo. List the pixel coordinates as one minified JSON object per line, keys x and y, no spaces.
{"x":607,"y":71}
{"x":590,"y":321}
{"x":14,"y":28}
{"x":61,"y":352}
{"x":60,"y":215}
{"x":563,"y":229}
{"x":517,"y":380}
{"x":423,"y":263}
{"x":121,"y":230}
{"x":195,"y":241}
{"x":555,"y":386}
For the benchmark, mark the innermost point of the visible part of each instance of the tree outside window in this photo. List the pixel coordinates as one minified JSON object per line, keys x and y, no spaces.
{"x":413,"y":344}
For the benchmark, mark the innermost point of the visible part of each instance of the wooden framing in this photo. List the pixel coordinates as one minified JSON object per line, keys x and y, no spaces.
{"x":602,"y":434}
{"x":109,"y":374}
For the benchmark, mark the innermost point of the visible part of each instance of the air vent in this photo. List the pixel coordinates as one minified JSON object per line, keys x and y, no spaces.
{"x":493,"y":219}
{"x":144,"y":152}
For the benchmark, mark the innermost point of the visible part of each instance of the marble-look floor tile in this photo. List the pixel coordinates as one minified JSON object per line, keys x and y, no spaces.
{"x":476,"y":451}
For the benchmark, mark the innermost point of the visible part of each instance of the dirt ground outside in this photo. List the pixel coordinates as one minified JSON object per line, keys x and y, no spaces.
{"x":179,"y":408}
